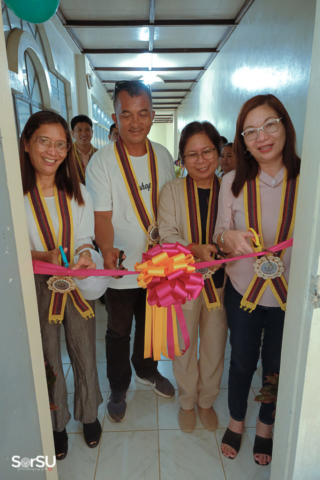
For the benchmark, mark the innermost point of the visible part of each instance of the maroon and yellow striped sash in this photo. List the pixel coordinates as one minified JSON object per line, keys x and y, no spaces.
{"x":132,"y":185}
{"x":80,"y":169}
{"x":285,"y":227}
{"x":195,"y":231}
{"x":66,"y":240}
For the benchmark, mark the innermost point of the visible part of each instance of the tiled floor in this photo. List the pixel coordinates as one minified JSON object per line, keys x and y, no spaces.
{"x":149,"y":445}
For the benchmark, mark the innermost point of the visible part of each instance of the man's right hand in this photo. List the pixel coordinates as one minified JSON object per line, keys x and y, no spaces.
{"x":111,"y":259}
{"x":53,"y":256}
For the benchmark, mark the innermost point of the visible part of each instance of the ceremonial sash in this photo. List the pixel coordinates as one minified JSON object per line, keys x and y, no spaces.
{"x":133,"y":189}
{"x":80,"y":167}
{"x":49,"y":242}
{"x":284,"y":232}
{"x":194,"y":228}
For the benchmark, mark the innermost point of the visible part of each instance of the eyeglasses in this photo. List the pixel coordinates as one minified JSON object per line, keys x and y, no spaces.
{"x":44,"y":143}
{"x":126,"y":84}
{"x":206,"y":154}
{"x":269,"y":127}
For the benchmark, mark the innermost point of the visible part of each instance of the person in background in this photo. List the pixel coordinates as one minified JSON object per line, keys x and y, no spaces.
{"x":114,"y":133}
{"x":223,"y":141}
{"x":125,"y":198}
{"x":227,"y":160}
{"x":82,"y":132}
{"x":59,"y":209}
{"x":260,"y":194}
{"x":182,"y":202}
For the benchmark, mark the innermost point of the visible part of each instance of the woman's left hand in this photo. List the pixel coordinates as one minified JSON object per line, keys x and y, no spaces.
{"x":85,"y":262}
{"x":204,"y":252}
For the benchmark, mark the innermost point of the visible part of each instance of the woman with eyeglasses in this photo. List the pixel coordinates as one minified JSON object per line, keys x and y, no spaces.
{"x":59,"y":213}
{"x":260,"y":194}
{"x":187,"y":214}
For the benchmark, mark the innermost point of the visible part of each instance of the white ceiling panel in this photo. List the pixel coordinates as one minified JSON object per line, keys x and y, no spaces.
{"x":169,"y":94}
{"x":113,"y":37}
{"x":105,"y":9}
{"x":172,"y":86}
{"x":120,"y":75}
{"x":165,"y":75}
{"x":147,"y":60}
{"x":191,"y":9}
{"x":188,"y":37}
{"x":172,"y":101}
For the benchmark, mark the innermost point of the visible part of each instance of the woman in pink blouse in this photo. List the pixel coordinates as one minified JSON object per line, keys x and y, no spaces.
{"x":260,"y":194}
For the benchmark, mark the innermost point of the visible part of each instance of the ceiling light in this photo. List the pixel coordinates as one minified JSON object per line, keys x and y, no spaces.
{"x":149,"y":77}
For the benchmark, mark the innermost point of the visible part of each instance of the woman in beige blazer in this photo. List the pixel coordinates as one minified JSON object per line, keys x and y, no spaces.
{"x":187,"y":214}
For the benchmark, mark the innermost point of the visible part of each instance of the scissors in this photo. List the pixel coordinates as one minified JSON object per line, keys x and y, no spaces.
{"x":64,"y":258}
{"x":120,"y":266}
{"x":257,"y":243}
{"x":220,"y":253}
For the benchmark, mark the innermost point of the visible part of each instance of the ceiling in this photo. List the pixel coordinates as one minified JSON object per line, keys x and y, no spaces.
{"x":176,"y":40}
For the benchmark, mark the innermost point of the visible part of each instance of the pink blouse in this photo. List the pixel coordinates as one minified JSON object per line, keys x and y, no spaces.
{"x":231,"y":216}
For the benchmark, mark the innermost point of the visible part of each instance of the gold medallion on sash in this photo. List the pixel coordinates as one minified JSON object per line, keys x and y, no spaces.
{"x":269,"y":271}
{"x":61,"y":286}
{"x":195,"y":232}
{"x":149,"y":226}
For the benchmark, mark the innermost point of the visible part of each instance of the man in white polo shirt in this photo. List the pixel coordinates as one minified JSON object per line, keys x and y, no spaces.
{"x":124,"y":179}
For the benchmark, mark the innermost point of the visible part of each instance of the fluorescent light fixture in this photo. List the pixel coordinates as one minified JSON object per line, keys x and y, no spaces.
{"x":149,"y":77}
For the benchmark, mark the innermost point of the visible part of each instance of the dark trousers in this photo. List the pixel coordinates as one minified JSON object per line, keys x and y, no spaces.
{"x":121,"y":305}
{"x":245,"y":339}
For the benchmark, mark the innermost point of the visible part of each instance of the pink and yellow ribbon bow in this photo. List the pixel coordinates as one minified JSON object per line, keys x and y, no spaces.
{"x":169,"y":276}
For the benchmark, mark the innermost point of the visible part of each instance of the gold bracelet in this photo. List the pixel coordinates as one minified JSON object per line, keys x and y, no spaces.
{"x":85,"y":252}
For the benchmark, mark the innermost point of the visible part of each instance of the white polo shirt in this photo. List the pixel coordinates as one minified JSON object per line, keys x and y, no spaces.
{"x":108,"y":191}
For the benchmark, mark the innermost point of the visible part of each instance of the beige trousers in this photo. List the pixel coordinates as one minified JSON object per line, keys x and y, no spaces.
{"x":199,"y":379}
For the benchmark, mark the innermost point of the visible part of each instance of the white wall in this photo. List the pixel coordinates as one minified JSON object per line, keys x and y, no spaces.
{"x":269,"y":52}
{"x":163,"y":133}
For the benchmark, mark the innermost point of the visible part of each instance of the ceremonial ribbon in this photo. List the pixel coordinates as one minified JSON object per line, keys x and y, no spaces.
{"x":168,"y":273}
{"x":50,"y":269}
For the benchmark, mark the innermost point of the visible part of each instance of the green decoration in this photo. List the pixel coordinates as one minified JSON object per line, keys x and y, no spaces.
{"x":34,"y":11}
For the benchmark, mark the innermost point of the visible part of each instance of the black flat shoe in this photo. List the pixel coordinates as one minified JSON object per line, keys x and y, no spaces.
{"x":232,"y":439}
{"x":92,"y":433}
{"x":262,"y":446}
{"x":60,"y":444}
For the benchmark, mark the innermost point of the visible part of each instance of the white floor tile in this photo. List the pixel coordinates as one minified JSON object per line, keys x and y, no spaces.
{"x":101,"y":351}
{"x":142,"y":413}
{"x":101,"y":313}
{"x":189,"y":456}
{"x":243,"y":466}
{"x":76,"y":427}
{"x":168,"y":409}
{"x":70,"y":381}
{"x":128,"y":456}
{"x":66,"y":367}
{"x":101,"y":328}
{"x":102,"y":374}
{"x":80,"y":462}
{"x":64,"y":353}
{"x":227,"y":352}
{"x":225,"y":375}
{"x":257,"y":377}
{"x":221,"y":407}
{"x":165,"y":368}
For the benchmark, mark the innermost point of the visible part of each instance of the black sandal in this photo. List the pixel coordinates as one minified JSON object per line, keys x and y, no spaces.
{"x":60,"y":444}
{"x":92,"y":433}
{"x":262,"y":446}
{"x":232,"y":439}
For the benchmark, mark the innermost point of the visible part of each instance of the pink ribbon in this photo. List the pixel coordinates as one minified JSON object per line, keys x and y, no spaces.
{"x":50,"y":269}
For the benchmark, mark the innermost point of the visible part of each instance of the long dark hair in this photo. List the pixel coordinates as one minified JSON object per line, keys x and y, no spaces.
{"x":194,"y":128}
{"x":248,"y":168}
{"x":67,"y":175}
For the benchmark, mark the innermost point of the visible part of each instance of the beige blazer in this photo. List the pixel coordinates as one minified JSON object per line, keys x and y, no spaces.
{"x":172,"y":215}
